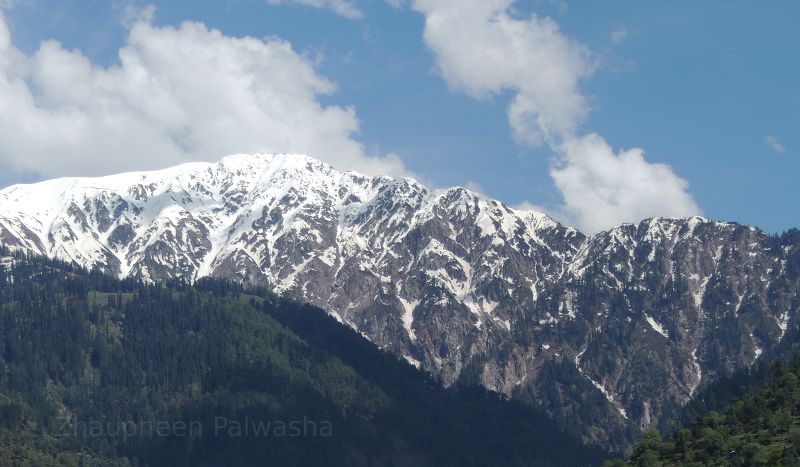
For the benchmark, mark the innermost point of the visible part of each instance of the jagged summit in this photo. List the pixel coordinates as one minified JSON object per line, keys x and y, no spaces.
{"x":456,"y":283}
{"x":54,"y":217}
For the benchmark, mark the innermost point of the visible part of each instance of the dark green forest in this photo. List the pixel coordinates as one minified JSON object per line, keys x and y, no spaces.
{"x":96,"y":371}
{"x":760,"y":428}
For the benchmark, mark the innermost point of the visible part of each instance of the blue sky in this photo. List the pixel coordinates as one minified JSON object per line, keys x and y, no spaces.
{"x":712,"y":89}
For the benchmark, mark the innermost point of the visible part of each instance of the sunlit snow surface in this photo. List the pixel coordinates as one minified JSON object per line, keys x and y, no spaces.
{"x":254,"y":209}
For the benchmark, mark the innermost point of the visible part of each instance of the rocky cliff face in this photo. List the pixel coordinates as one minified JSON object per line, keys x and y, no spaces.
{"x":650,"y":312}
{"x":609,"y":333}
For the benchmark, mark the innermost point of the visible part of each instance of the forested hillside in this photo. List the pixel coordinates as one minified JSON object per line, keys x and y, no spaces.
{"x":98,"y":371}
{"x":762,"y":428}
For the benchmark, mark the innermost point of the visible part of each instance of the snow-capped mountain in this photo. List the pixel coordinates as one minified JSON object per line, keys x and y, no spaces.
{"x":608,"y":333}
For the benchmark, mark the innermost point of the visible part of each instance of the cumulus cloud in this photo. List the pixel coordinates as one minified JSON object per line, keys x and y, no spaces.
{"x":346,"y":8}
{"x":599,"y":185}
{"x":772,"y":143}
{"x":178,"y":94}
{"x":485,"y":47}
{"x":482,"y":49}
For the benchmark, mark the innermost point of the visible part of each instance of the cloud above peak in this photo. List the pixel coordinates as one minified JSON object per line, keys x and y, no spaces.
{"x":599,"y":185}
{"x":61,"y":114}
{"x":485,"y":48}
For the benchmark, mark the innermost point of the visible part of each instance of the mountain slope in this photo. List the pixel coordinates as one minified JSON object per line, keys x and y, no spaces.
{"x":669,"y":304}
{"x":610,"y":333}
{"x":105,"y":372}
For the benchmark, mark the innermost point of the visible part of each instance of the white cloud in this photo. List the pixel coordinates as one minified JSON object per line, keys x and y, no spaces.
{"x":179,"y":94}
{"x":484,"y":48}
{"x":773,"y":143}
{"x":601,"y":188}
{"x":619,"y":35}
{"x":346,"y":8}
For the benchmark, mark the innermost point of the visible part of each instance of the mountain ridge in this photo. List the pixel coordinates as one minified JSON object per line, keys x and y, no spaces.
{"x":453,"y":281}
